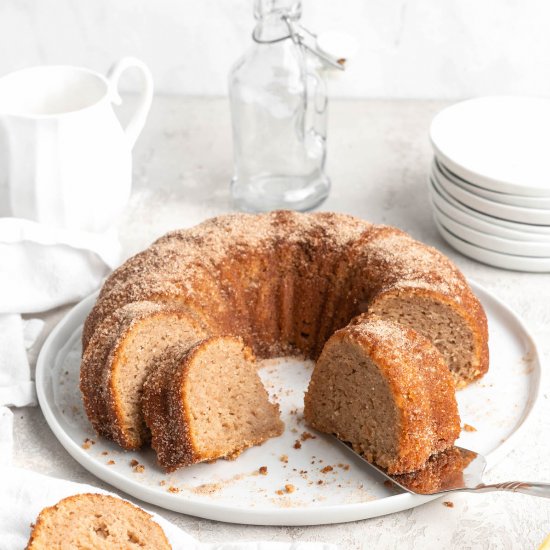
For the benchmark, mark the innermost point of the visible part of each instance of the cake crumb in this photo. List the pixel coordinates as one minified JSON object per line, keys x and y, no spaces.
{"x":306,"y":435}
{"x":327,"y":469}
{"x":139,"y":468}
{"x":111,"y":462}
{"x":105,"y":453}
{"x":162,"y":482}
{"x":469,"y":428}
{"x":297,"y":444}
{"x":173,"y":489}
{"x":448,"y":504}
{"x":262,"y":470}
{"x":284,"y":458}
{"x":133,"y":462}
{"x":289,"y":488}
{"x":88,"y":443}
{"x":320,"y":482}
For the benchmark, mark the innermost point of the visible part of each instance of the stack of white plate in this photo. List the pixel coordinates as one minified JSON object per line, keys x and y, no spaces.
{"x":490,"y":180}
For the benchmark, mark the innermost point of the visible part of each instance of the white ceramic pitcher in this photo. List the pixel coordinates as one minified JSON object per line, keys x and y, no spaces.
{"x":65,"y":158}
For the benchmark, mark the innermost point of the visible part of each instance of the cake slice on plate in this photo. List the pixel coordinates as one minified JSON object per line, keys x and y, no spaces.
{"x":387,"y":390}
{"x":207,"y":402}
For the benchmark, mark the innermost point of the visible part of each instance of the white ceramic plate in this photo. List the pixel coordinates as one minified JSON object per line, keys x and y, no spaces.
{"x":532,"y":216}
{"x":495,"y":226}
{"x":499,"y":143}
{"x":503,"y":198}
{"x":506,"y":246}
{"x":496,"y":259}
{"x":232,"y":491}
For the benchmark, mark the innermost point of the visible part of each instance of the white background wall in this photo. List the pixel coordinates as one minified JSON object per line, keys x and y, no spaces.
{"x":421,"y":48}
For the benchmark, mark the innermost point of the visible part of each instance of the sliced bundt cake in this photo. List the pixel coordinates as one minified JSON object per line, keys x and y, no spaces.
{"x":207,"y":402}
{"x":284,"y":282}
{"x":385,"y":389}
{"x":118,"y":360}
{"x":96,"y":522}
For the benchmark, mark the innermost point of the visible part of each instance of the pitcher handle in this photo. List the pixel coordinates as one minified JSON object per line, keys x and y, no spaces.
{"x":134,"y":127}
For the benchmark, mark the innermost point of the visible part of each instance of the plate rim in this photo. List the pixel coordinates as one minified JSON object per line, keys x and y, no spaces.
{"x":446,"y":220}
{"x":340,"y":513}
{"x":537,"y":265}
{"x":463,"y":217}
{"x":488,"y":194}
{"x":538,"y":230}
{"x":518,"y":214}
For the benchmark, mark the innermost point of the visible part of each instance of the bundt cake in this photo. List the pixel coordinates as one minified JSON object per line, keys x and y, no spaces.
{"x":284,"y":282}
{"x":385,"y":389}
{"x":96,"y":522}
{"x":206,"y":402}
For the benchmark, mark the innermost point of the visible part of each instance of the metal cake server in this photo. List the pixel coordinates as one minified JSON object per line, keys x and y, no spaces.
{"x":456,"y":469}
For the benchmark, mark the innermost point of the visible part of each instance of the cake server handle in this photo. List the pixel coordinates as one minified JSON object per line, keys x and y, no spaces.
{"x":526,"y":487}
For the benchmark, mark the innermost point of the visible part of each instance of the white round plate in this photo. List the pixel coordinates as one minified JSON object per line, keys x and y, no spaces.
{"x":232,"y":491}
{"x":503,"y":198}
{"x":496,"y":259}
{"x":506,"y":246}
{"x":493,"y":225}
{"x":499,"y":143}
{"x":533,"y":216}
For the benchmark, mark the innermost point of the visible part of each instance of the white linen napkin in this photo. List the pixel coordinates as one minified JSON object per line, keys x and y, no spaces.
{"x":41,"y":268}
{"x":16,"y":337}
{"x":23,"y":494}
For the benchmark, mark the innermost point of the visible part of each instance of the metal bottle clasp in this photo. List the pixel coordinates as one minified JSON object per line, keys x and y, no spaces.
{"x":305,"y":38}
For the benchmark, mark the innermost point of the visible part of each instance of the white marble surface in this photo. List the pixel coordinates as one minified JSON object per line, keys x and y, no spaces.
{"x":379,"y":160}
{"x":423,"y":49}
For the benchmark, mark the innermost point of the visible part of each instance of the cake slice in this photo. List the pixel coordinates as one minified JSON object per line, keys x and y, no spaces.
{"x":96,"y":522}
{"x":119,"y":358}
{"x":417,"y":286}
{"x":387,"y":390}
{"x":207,"y":402}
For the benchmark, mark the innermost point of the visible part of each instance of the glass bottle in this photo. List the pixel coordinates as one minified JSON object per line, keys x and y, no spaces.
{"x":279,"y":112}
